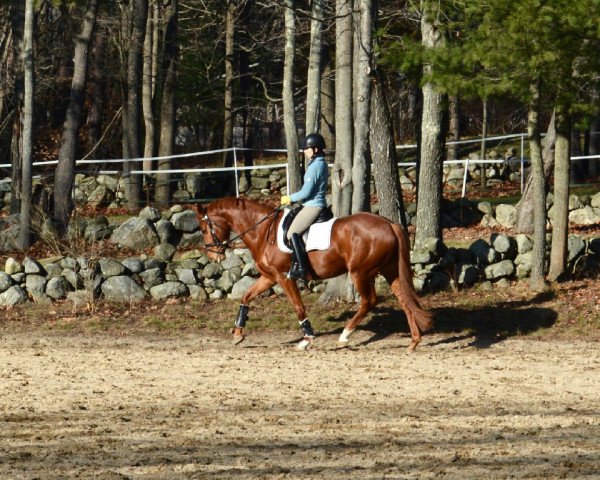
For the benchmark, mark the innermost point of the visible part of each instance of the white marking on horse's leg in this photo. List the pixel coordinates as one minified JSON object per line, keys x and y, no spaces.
{"x":344,"y":337}
{"x":305,"y":343}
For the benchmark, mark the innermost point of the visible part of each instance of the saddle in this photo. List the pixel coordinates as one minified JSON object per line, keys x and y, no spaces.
{"x":325,"y":215}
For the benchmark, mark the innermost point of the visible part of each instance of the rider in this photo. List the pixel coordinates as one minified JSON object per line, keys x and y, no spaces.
{"x":312,"y":197}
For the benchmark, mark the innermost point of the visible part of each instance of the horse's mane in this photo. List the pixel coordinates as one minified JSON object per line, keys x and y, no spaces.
{"x":242,"y":203}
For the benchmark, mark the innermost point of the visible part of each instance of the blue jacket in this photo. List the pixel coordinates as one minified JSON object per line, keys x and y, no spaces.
{"x":312,"y":193}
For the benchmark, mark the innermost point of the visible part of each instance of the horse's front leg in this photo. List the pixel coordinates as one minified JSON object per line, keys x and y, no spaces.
{"x":261,"y":285}
{"x":293,"y":294}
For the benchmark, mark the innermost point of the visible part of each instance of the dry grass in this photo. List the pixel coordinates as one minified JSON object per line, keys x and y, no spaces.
{"x":571,"y":310}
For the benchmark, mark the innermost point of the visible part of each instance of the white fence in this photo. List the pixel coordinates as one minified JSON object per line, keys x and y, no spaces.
{"x":236,"y":168}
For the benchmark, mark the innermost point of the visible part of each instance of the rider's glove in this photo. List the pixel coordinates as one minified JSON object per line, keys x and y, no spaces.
{"x":286,"y":200}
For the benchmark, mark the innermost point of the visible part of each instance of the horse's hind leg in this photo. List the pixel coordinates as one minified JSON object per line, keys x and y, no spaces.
{"x":368,"y":299}
{"x":415,"y":334}
{"x":260,"y":286}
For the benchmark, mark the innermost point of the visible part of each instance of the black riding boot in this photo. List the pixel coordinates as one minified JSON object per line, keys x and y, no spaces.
{"x":299,"y":267}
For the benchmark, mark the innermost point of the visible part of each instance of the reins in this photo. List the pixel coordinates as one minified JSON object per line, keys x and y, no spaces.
{"x":227,"y":243}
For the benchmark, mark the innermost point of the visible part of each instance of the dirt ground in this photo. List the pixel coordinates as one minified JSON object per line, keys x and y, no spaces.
{"x":154,"y":407}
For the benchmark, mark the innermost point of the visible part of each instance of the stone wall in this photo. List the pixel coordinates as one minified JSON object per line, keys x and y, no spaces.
{"x":82,"y":278}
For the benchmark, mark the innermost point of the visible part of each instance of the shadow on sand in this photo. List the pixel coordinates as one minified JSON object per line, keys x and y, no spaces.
{"x":485,"y":326}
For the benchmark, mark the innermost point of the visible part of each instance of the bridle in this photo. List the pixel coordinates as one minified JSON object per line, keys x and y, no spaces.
{"x":221,"y":245}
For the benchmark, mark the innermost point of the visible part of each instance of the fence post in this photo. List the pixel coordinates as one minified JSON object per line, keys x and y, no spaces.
{"x":464,"y":189}
{"x":235,"y":166}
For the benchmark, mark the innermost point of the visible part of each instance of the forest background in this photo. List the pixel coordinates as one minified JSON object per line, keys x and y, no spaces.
{"x":122,"y":79}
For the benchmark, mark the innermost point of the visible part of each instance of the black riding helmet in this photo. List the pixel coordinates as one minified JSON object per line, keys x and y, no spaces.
{"x":314,"y":140}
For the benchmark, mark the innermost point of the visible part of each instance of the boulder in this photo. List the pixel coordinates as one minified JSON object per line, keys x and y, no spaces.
{"x":506,"y":215}
{"x":585,"y":216}
{"x":150,"y":213}
{"x":502,"y":269}
{"x":5,"y":282}
{"x":164,"y":251}
{"x":32,"y":266}
{"x":152,"y":277}
{"x":575,"y":247}
{"x":13,"y":296}
{"x":169,"y":290}
{"x":122,"y":288}
{"x":57,"y":288}
{"x":185,"y":221}
{"x":136,"y":234}
{"x":110,"y":267}
{"x":240,"y":287}
{"x":12,"y":266}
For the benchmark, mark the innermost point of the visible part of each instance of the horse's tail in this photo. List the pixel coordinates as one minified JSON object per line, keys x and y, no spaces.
{"x":406,"y":289}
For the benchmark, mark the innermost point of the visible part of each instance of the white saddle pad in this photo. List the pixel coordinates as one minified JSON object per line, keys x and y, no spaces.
{"x":317,"y":237}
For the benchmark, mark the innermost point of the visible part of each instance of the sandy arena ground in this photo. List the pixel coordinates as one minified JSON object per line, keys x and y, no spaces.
{"x":77,"y":406}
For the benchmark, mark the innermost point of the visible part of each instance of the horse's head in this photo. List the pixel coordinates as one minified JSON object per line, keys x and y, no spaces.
{"x":216,"y":232}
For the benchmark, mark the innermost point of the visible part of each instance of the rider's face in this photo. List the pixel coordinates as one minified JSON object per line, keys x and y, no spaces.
{"x":309,"y":152}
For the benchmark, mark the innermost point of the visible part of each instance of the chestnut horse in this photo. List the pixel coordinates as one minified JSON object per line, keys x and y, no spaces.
{"x":363,"y":244}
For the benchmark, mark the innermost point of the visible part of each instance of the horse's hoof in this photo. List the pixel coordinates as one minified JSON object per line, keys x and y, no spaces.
{"x":345,"y":337}
{"x":238,"y":335}
{"x":411,"y":348}
{"x":305,"y":343}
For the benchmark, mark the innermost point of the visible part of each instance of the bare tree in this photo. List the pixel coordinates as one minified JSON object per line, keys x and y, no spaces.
{"x":17,"y":17}
{"x":363,"y":48}
{"x":168,"y":107}
{"x":429,"y":189}
{"x":454,"y":127}
{"x":340,"y":288}
{"x":289,"y":106}
{"x":342,"y":168}
{"x":313,"y":79}
{"x":560,"y":209}
{"x":65,"y":170}
{"x":383,"y":153}
{"x":228,"y":94}
{"x":25,"y":214}
{"x":149,"y":78}
{"x":537,"y":277}
{"x":134,"y":13}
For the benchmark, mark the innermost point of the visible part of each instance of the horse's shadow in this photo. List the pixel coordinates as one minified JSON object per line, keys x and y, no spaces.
{"x":484,"y":326}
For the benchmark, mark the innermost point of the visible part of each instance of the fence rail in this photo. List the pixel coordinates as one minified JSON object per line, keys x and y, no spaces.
{"x":238,"y":168}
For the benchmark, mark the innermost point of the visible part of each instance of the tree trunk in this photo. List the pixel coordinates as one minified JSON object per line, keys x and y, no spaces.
{"x":65,"y":170}
{"x":429,"y":190}
{"x":342,"y":168}
{"x":313,"y":80}
{"x":228,"y":96}
{"x":17,"y":17}
{"x":383,"y":154}
{"x":594,"y":145}
{"x":525,"y":207}
{"x":25,"y":214}
{"x":560,"y":209}
{"x":361,"y":176}
{"x":578,"y":167}
{"x":483,"y":150}
{"x":537,"y":277}
{"x":149,"y":87}
{"x":94,"y":119}
{"x":168,"y":123}
{"x":289,"y":106}
{"x":327,"y":96}
{"x":454,"y":128}
{"x":132,"y":108}
{"x":340,"y":288}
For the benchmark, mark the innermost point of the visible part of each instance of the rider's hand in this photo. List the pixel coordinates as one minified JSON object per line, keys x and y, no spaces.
{"x":286,"y":200}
